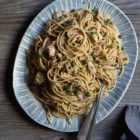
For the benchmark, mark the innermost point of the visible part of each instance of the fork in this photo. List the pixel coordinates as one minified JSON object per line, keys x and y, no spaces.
{"x":87,"y":130}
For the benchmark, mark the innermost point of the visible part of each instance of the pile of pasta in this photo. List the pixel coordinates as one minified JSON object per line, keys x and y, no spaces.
{"x":71,"y":58}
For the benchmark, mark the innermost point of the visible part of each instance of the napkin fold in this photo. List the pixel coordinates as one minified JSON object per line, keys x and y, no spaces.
{"x":132,"y":120}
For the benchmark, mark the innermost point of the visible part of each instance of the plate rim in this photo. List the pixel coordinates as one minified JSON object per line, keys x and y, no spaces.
{"x":118,"y":101}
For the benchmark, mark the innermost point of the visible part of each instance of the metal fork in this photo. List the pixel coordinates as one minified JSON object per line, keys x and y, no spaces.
{"x":87,"y":130}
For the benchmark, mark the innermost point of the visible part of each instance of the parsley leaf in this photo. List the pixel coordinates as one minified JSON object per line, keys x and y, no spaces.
{"x":87,"y":94}
{"x":71,"y":115}
{"x":84,"y":67}
{"x":64,"y":58}
{"x":88,"y":50}
{"x":93,"y":57}
{"x":94,"y":33}
{"x":42,"y":55}
{"x":67,"y":92}
{"x":114,"y":38}
{"x":122,"y":48}
{"x":95,"y":10}
{"x":117,"y":42}
{"x":111,"y":46}
{"x":107,"y":22}
{"x":66,"y":87}
{"x":124,"y":59}
{"x":76,"y":91}
{"x":66,"y":22}
{"x":72,"y":63}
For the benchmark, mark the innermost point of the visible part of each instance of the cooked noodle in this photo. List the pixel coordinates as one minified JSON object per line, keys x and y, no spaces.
{"x":69,"y":60}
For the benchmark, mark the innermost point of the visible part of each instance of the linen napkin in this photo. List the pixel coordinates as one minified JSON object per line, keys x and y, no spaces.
{"x":132,"y":120}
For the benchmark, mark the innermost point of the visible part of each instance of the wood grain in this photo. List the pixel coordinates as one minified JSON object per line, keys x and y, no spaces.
{"x":15,"y":16}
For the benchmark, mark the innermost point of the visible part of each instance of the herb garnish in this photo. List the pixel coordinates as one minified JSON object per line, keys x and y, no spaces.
{"x":95,"y":10}
{"x":67,"y":92}
{"x":66,"y":87}
{"x":70,"y":115}
{"x":87,"y":94}
{"x":42,"y":55}
{"x":122,"y":48}
{"x":64,"y":58}
{"x":72,"y":63}
{"x":88,"y":50}
{"x":76,"y":91}
{"x":84,"y":67}
{"x":111,"y":46}
{"x":124,"y":59}
{"x":93,"y":57}
{"x":115,"y":40}
{"x":107,"y":22}
{"x":59,"y":105}
{"x":94,"y":33}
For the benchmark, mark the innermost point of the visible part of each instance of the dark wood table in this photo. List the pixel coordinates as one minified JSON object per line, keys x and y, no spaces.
{"x":15,"y":16}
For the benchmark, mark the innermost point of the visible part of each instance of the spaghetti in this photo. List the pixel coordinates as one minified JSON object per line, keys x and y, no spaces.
{"x":71,"y":57}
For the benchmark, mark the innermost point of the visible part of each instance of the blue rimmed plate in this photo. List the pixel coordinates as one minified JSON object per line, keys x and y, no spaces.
{"x":31,"y":105}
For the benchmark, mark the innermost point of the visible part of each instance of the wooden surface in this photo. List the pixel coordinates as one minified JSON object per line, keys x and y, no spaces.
{"x":15,"y":16}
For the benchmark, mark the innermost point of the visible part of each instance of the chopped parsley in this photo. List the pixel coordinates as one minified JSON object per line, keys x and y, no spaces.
{"x":84,"y":67}
{"x":66,"y":22}
{"x":122,"y":48}
{"x":117,"y":42}
{"x":59,"y":105}
{"x":88,"y":50}
{"x":76,"y":91}
{"x":66,"y":88}
{"x":42,"y":55}
{"x":72,"y":63}
{"x":114,"y":38}
{"x":124,"y":59}
{"x":95,"y":10}
{"x":71,"y":115}
{"x":64,"y":58}
{"x":107,"y":22}
{"x":93,"y":57}
{"x":87,"y":94}
{"x":94,"y":33}
{"x":57,"y":95}
{"x":111,"y":46}
{"x":67,"y":92}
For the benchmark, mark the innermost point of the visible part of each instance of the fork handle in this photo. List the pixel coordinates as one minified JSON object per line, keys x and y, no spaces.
{"x":87,"y":129}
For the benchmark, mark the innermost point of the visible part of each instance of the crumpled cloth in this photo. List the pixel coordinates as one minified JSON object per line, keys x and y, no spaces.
{"x":132,"y":120}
